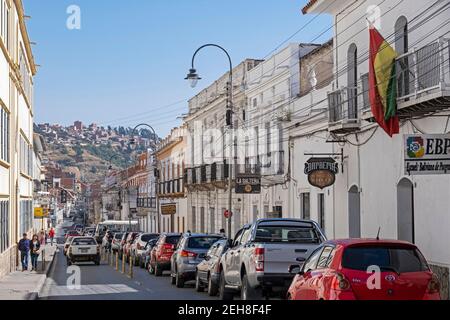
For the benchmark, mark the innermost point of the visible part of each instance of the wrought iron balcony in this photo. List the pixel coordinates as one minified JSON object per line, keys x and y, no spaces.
{"x":423,"y":79}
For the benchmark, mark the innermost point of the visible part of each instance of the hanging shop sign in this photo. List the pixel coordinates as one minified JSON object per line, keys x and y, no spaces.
{"x":168,"y":209}
{"x":321,"y":172}
{"x":427,"y":154}
{"x":248,"y":184}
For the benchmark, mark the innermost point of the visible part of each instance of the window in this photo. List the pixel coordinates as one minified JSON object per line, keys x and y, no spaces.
{"x":286,"y":234}
{"x":4,"y":135}
{"x":194,"y":220}
{"x":324,"y":259}
{"x":4,"y":22}
{"x":4,"y":226}
{"x":202,"y":219}
{"x":388,"y":258}
{"x":311,"y":263}
{"x":26,"y":157}
{"x":402,"y":46}
{"x":26,"y":216}
{"x":352,"y":81}
{"x":212,"y":220}
{"x":306,"y":205}
{"x":321,"y":210}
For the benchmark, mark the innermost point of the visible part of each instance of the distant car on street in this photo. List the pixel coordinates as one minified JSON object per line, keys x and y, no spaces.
{"x":145,"y":258}
{"x":208,"y":271}
{"x":190,"y":251}
{"x":72,"y":233}
{"x":339,"y":270}
{"x":115,"y":245}
{"x":137,"y":247}
{"x":162,"y":252}
{"x":128,"y":244}
{"x":83,"y":249}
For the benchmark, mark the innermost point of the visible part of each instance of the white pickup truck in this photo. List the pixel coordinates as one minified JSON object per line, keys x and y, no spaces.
{"x":257,"y":263}
{"x":83,"y":249}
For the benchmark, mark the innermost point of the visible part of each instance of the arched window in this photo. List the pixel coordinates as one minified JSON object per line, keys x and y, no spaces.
{"x":352,"y":81}
{"x":401,"y":46}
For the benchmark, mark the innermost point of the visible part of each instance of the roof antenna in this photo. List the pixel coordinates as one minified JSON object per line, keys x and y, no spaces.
{"x":378,"y":235}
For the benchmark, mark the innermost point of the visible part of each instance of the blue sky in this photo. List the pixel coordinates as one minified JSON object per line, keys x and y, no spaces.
{"x":127,"y":63}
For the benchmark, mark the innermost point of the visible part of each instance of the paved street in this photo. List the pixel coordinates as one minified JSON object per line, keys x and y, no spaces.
{"x":105,"y":283}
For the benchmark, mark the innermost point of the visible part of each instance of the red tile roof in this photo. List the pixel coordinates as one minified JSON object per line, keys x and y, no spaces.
{"x":308,"y":6}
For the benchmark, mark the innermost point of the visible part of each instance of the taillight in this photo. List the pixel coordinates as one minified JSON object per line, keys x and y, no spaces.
{"x":167,"y":247}
{"x":258,"y":257}
{"x":70,"y":250}
{"x":188,"y":254}
{"x":434,"y":286}
{"x":340,"y":283}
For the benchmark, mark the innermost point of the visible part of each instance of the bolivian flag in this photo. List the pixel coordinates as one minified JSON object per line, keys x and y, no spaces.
{"x":382,"y":83}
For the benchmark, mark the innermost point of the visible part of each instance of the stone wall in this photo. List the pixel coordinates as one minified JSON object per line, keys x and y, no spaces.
{"x":443,"y":275}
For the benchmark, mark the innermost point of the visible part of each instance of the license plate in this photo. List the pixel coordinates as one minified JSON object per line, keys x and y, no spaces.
{"x":84,"y":250}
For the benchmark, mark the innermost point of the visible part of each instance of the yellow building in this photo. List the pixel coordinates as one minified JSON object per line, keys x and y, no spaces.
{"x":17,"y":69}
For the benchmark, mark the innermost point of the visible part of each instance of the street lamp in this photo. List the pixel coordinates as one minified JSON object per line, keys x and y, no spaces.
{"x":193,"y":79}
{"x":132,"y":144}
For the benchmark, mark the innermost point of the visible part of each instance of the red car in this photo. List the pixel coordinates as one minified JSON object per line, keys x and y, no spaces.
{"x":364,"y":270}
{"x":162,"y":252}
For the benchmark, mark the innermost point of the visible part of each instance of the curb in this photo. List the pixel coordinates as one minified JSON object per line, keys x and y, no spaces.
{"x":35,"y":294}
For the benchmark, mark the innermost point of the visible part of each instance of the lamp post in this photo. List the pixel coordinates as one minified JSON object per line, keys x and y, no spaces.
{"x":132,"y":144}
{"x":193,"y":78}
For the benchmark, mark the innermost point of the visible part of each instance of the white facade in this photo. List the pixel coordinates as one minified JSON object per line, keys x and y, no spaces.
{"x":17,"y":69}
{"x":374,"y":190}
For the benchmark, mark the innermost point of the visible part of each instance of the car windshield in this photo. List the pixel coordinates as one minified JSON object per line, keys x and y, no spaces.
{"x":83,"y":242}
{"x":148,"y":236}
{"x":118,"y":236}
{"x":291,"y":234}
{"x":172,"y":239}
{"x":397,"y":259}
{"x":202,"y":242}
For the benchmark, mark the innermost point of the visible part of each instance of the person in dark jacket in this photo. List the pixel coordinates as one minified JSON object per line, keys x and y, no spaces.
{"x":35,"y":246}
{"x":24,"y":249}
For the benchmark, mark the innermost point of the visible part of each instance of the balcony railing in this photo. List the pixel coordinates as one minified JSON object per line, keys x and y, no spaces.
{"x":343,"y":106}
{"x":423,"y":79}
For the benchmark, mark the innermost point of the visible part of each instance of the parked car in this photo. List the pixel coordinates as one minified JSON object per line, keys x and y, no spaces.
{"x":89,"y":232}
{"x":122,"y":244}
{"x":128,"y":243}
{"x":258,"y":261}
{"x":147,"y":251}
{"x":115,"y":244}
{"x":340,"y":270}
{"x":190,"y":251}
{"x":83,"y":249}
{"x":137,"y":247}
{"x":67,"y":245}
{"x":71,"y":233}
{"x":208,"y":271}
{"x":162,"y":252}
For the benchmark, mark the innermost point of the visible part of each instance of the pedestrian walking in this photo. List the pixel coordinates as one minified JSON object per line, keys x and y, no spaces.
{"x":222,"y":233}
{"x":24,"y":249}
{"x":35,"y":246}
{"x":51,"y":235}
{"x":41,"y":237}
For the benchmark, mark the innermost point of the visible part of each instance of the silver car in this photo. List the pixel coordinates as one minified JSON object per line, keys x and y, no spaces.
{"x":190,"y":251}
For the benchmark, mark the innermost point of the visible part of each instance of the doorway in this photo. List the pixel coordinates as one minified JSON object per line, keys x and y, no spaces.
{"x":405,"y":210}
{"x":354,"y":212}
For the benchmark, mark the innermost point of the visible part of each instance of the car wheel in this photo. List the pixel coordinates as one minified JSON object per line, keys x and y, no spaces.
{"x":198,"y":285}
{"x":179,"y":281}
{"x":97,"y":262}
{"x":224,"y":294}
{"x":249,"y":293}
{"x":213,"y":289}
{"x":172,"y":279}
{"x":151,"y":270}
{"x":158,"y":271}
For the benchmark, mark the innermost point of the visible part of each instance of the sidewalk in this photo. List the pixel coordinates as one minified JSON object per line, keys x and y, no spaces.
{"x":26,"y":285}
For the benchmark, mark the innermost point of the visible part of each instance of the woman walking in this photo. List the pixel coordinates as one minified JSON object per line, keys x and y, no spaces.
{"x":35,"y":246}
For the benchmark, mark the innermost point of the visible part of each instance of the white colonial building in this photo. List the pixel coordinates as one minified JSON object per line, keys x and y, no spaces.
{"x":17,"y":69}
